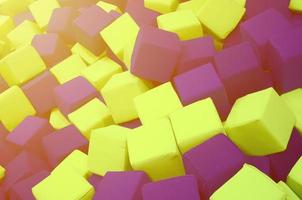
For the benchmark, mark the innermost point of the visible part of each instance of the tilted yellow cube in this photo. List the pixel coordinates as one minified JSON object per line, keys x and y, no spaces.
{"x":2,"y":173}
{"x":88,"y":57}
{"x":161,"y":6}
{"x":13,"y":7}
{"x":7,"y":24}
{"x":57,"y":119}
{"x":295,"y":5}
{"x":294,"y":178}
{"x":192,"y":5}
{"x":290,"y":195}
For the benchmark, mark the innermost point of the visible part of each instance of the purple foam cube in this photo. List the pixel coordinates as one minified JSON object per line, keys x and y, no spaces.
{"x":200,"y":83}
{"x":94,"y":180}
{"x":260,"y":162}
{"x":213,"y":163}
{"x":121,"y":185}
{"x":11,"y":151}
{"x":179,"y":188}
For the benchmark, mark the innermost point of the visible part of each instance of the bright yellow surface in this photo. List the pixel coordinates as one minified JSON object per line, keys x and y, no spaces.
{"x":290,"y":195}
{"x":161,"y":6}
{"x":57,"y":119}
{"x":2,"y":173}
{"x":130,"y":86}
{"x":249,"y":184}
{"x":195,"y":123}
{"x":157,"y":103}
{"x":85,"y":54}
{"x":13,"y":7}
{"x":294,"y":178}
{"x":184,"y":23}
{"x":21,"y":65}
{"x":7,"y":24}
{"x":108,"y":150}
{"x":92,"y":115}
{"x":108,"y":6}
{"x":152,"y":148}
{"x":295,"y":5}
{"x":15,"y":107}
{"x":260,"y":123}
{"x":68,"y":69}
{"x":241,"y":2}
{"x":193,"y":5}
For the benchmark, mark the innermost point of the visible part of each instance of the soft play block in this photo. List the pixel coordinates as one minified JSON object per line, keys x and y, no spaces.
{"x":61,"y":143}
{"x":68,"y":69}
{"x":21,"y":17}
{"x":184,"y":23}
{"x":129,"y":85}
{"x":99,"y":73}
{"x":152,"y":148}
{"x":242,"y":74}
{"x":108,"y":7}
{"x":21,"y":65}
{"x":108,"y":150}
{"x":221,"y":17}
{"x":87,"y":34}
{"x":68,"y":98}
{"x":265,"y":123}
{"x":155,"y":51}
{"x":15,"y":107}
{"x":121,"y":185}
{"x":200,"y":83}
{"x":85,"y":54}
{"x":179,"y":188}
{"x":205,"y":162}
{"x":92,"y":115}
{"x":260,"y":162}
{"x":51,"y":48}
{"x":192,"y":5}
{"x":161,"y":6}
{"x":11,"y":150}
{"x":294,"y":178}
{"x":13,"y":7}
{"x":3,"y":85}
{"x":295,"y":5}
{"x":157,"y":103}
{"x":195,"y":123}
{"x":2,"y":173}
{"x":249,"y":183}
{"x":293,"y":100}
{"x":57,"y":119}
{"x":40,"y":92}
{"x":6,"y":25}
{"x":290,"y":195}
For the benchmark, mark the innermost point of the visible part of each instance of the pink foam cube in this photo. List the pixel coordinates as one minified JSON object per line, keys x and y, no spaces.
{"x":261,"y":162}
{"x":11,"y":151}
{"x":3,"y":85}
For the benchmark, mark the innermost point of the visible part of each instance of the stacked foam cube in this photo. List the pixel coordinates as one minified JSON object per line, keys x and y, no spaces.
{"x":150,"y":99}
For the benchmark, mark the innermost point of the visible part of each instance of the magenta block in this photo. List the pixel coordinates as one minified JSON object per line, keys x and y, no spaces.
{"x":62,"y":142}
{"x":132,"y":124}
{"x":155,"y":54}
{"x":11,"y":151}
{"x":121,"y":185}
{"x":241,"y":71}
{"x":179,"y":188}
{"x":195,"y":53}
{"x":73,"y":94}
{"x":200,"y":83}
{"x":261,"y":162}
{"x":285,"y":58}
{"x":94,"y":180}
{"x":282,"y":163}
{"x":22,"y":189}
{"x":213,"y":163}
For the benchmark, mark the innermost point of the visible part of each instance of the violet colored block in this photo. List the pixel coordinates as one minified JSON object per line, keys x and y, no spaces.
{"x":62,"y":142}
{"x":73,"y":94}
{"x":233,"y":39}
{"x":121,"y":185}
{"x":22,"y":189}
{"x":240,"y":71}
{"x":3,"y":85}
{"x":200,"y":83}
{"x":88,"y":34}
{"x":29,"y":133}
{"x":261,"y":162}
{"x":281,"y":6}
{"x":285,"y":58}
{"x":259,"y":29}
{"x":51,"y":48}
{"x":40,"y":92}
{"x":132,"y":124}
{"x":282,"y":163}
{"x":77,"y":3}
{"x":21,"y":17}
{"x":155,"y":55}
{"x":179,"y":188}
{"x":255,"y":7}
{"x":8,"y":151}
{"x":94,"y":180}
{"x":213,"y":163}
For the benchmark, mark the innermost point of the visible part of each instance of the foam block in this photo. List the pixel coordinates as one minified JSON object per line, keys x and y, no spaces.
{"x":6,"y":25}
{"x":294,"y":179}
{"x":295,"y":6}
{"x":2,"y":173}
{"x":108,"y":6}
{"x":57,"y":119}
{"x":94,"y":180}
{"x":11,"y":150}
{"x":3,"y":85}
{"x":260,"y":162}
{"x":161,"y":6}
{"x":21,"y":17}
{"x":192,"y":5}
{"x":204,"y":161}
{"x":13,"y":7}
{"x":263,"y":117}
{"x":286,"y":189}
{"x":88,"y":57}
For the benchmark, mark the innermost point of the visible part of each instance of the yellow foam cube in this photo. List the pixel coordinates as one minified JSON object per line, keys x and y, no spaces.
{"x":127,"y":56}
{"x":13,"y":7}
{"x":152,"y":148}
{"x":157,"y":103}
{"x":42,"y":11}
{"x":295,"y":5}
{"x":68,"y":69}
{"x":116,"y":41}
{"x":5,"y":48}
{"x":15,"y":107}
{"x":57,"y":119}
{"x":294,"y":178}
{"x":66,"y":184}
{"x":7,"y":24}
{"x":23,"y":33}
{"x":241,"y":2}
{"x":85,"y":54}
{"x":161,"y":6}
{"x":21,"y":65}
{"x":290,"y":195}
{"x":221,"y":17}
{"x":293,"y":100}
{"x":130,"y":86}
{"x":193,"y":5}
{"x":260,"y":123}
{"x":108,"y":7}
{"x":101,"y":71}
{"x":195,"y":123}
{"x":2,"y":173}
{"x":184,"y":23}
{"x":249,"y":184}
{"x":92,"y":115}
{"x":108,"y":150}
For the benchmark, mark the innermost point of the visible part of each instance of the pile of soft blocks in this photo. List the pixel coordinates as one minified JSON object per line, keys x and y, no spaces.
{"x":151,"y":99}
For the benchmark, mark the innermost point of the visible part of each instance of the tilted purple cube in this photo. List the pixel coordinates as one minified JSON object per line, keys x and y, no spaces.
{"x":260,"y":162}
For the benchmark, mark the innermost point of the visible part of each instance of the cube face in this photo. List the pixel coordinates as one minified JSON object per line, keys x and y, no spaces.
{"x":228,"y":10}
{"x":294,"y":179}
{"x":57,"y":119}
{"x":161,"y":162}
{"x":157,"y":103}
{"x":295,"y":5}
{"x":161,"y":6}
{"x":6,"y":25}
{"x":286,"y":189}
